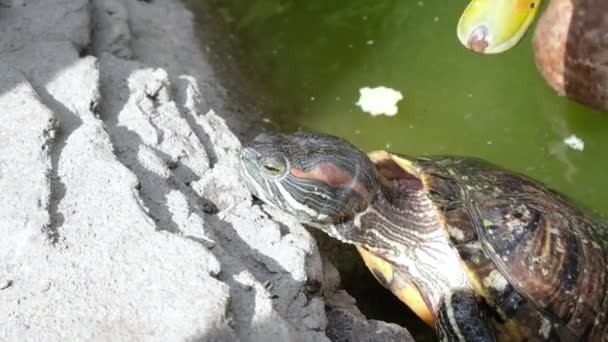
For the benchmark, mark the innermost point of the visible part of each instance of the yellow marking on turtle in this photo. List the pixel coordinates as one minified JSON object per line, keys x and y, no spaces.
{"x":475,"y":281}
{"x":471,"y":273}
{"x":408,"y":165}
{"x":546,"y":252}
{"x":406,"y":292}
{"x":452,"y":318}
{"x":377,"y":156}
{"x":509,"y":331}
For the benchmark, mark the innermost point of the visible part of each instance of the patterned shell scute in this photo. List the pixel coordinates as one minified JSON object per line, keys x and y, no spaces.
{"x":544,"y":248}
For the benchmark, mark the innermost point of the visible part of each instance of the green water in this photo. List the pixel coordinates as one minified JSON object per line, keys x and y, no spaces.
{"x":309,"y":58}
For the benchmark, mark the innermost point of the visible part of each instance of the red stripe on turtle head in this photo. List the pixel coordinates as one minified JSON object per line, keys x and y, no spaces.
{"x":333,"y":176}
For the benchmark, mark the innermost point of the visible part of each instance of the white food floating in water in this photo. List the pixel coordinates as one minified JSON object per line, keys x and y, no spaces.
{"x":574,"y":142}
{"x":379,"y":100}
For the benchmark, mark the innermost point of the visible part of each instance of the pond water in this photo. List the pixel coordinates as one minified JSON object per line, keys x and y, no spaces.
{"x":309,"y":59}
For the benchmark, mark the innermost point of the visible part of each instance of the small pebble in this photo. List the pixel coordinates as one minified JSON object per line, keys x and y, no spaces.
{"x":267,"y":285}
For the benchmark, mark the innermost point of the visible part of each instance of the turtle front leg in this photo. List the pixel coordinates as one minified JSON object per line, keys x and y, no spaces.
{"x":462,"y":318}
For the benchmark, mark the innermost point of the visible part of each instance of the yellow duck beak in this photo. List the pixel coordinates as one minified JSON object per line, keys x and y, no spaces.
{"x":494,"y":26}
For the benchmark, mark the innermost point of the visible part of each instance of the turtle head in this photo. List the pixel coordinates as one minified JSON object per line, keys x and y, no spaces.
{"x":318,"y":178}
{"x":494,"y":26}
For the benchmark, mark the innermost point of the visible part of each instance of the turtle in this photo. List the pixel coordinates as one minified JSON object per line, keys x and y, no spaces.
{"x":569,"y":45}
{"x":478,"y":252}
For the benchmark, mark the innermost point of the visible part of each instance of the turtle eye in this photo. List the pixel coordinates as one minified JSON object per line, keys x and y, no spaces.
{"x":273,"y":167}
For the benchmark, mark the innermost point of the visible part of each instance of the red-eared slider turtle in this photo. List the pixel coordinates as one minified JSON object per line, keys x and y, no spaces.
{"x":479,"y":252}
{"x":570,"y":42}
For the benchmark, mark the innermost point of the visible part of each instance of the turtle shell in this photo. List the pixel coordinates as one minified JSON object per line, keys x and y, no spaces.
{"x":537,"y":260}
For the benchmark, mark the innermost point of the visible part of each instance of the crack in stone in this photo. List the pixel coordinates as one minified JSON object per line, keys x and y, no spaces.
{"x":189,"y":114}
{"x":67,"y":123}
